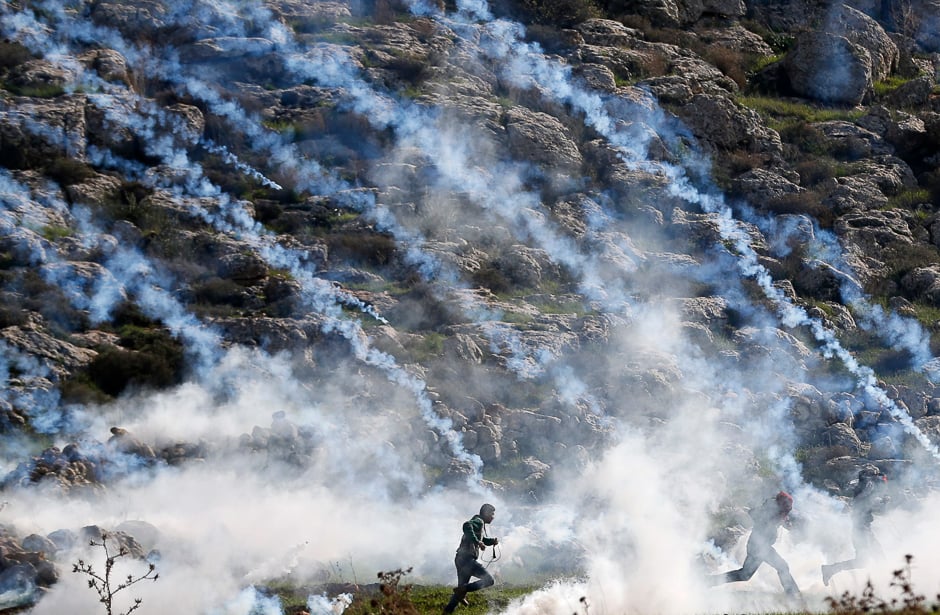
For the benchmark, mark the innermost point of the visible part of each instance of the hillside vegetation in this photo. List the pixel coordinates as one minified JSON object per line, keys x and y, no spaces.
{"x":280,"y":265}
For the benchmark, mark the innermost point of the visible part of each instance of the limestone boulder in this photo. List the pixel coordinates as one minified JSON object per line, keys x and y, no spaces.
{"x":727,"y":125}
{"x":923,"y":283}
{"x":829,"y":68}
{"x":110,"y":64}
{"x":541,"y":138}
{"x":861,"y":29}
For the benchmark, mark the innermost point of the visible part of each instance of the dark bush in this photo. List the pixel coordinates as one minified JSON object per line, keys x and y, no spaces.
{"x":13,"y":54}
{"x":561,"y":13}
{"x":489,"y":276}
{"x":80,"y":390}
{"x":11,"y":316}
{"x":130,"y":205}
{"x":806,"y":137}
{"x":68,"y":171}
{"x":219,"y":291}
{"x":374,"y":249}
{"x":149,"y":358}
{"x":410,"y":69}
{"x":808,"y":202}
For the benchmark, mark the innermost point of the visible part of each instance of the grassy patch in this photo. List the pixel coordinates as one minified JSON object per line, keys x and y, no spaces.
{"x":780,"y":113}
{"x":889,"y":85}
{"x":392,"y":596}
{"x":759,"y":63}
{"x":35,"y":91}
{"x":910,"y":198}
{"x":429,"y":347}
{"x":551,"y":304}
{"x":927,"y":315}
{"x":55,"y":232}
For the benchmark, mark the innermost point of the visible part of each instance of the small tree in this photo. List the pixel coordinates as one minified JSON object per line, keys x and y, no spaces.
{"x":103,"y":584}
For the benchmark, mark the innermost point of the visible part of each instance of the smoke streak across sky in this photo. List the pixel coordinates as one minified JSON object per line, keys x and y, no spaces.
{"x":634,"y":508}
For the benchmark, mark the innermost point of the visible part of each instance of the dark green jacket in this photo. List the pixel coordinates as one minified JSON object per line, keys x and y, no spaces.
{"x":472,"y":537}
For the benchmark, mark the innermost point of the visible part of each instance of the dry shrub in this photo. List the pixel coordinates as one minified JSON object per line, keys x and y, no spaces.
{"x":732,"y":63}
{"x":814,"y":171}
{"x":393,"y":597}
{"x":373,"y":249}
{"x":13,"y":54}
{"x":561,"y":13}
{"x":909,"y":602}
{"x":654,"y":64}
{"x":809,"y":202}
{"x":806,"y":137}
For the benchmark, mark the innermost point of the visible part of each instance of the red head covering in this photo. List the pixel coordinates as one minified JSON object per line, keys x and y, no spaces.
{"x":784,"y":502}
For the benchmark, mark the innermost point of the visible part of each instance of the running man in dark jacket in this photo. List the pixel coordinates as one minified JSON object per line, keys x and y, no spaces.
{"x":472,"y":542}
{"x":867,"y":499}
{"x":768,"y":518}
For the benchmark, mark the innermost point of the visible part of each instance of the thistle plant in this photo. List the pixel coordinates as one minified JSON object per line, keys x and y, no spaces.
{"x":104,"y":584}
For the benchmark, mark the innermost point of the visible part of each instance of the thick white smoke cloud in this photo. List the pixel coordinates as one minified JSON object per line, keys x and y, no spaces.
{"x":636,"y":519}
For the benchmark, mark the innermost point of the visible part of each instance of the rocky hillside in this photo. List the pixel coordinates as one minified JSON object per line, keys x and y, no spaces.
{"x":417,"y":250}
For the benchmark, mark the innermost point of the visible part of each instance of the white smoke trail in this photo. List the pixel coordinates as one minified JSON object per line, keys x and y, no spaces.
{"x":320,"y":294}
{"x":902,"y":333}
{"x":504,"y":338}
{"x":522,"y":225}
{"x":138,"y":274}
{"x":526,"y":66}
{"x":126,"y":273}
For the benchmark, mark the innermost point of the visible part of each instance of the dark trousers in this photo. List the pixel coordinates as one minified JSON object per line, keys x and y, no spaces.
{"x":758,"y":554}
{"x":867,"y":549}
{"x":468,"y":566}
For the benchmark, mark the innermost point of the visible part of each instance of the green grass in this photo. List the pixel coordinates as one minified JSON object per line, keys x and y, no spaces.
{"x":550,"y":304}
{"x":910,"y":198}
{"x":35,"y":91}
{"x":54,"y":232}
{"x":928,"y":315}
{"x":762,"y":62}
{"x":403,"y":598}
{"x":429,"y":346}
{"x":780,"y":113}
{"x":516,"y":318}
{"x":889,"y":85}
{"x":431,"y":599}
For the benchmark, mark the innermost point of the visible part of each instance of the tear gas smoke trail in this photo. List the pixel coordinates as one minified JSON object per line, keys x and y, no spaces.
{"x":318,"y":293}
{"x":232,"y":159}
{"x":525,"y":66}
{"x":790,"y":314}
{"x":161,"y":143}
{"x":502,"y":337}
{"x":125,"y":273}
{"x":823,"y":246}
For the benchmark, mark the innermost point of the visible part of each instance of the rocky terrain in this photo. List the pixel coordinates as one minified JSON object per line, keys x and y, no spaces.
{"x":474,"y":248}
